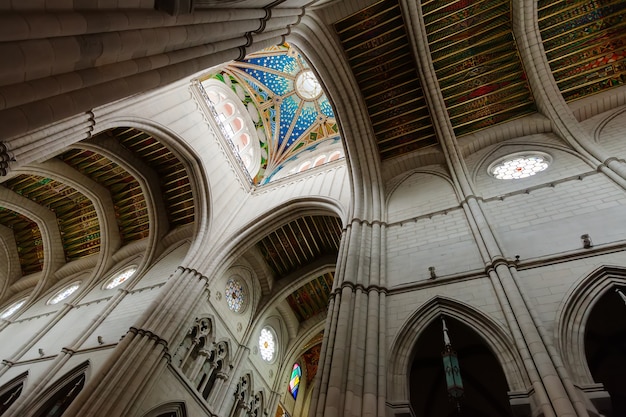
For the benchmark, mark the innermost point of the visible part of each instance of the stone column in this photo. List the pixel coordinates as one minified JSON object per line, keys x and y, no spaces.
{"x":117,"y":389}
{"x":552,"y":395}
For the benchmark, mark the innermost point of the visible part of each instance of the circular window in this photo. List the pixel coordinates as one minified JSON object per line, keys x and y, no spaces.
{"x":519,"y":166}
{"x":120,"y":278}
{"x":12,"y":309}
{"x":235,"y":295}
{"x":64,"y":293}
{"x":267,"y":344}
{"x":307,"y":85}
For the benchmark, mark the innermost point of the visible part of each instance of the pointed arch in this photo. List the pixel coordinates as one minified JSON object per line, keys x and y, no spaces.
{"x":56,"y":396}
{"x":495,"y":337}
{"x":574,"y":312}
{"x":11,"y":391}
{"x":171,"y":409}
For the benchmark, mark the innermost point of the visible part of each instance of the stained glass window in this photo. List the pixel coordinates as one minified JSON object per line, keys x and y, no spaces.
{"x":120,"y":278}
{"x":521,"y":166}
{"x":294,"y":382}
{"x":267,"y":346}
{"x":12,"y":309}
{"x":235,"y":295}
{"x":64,"y":293}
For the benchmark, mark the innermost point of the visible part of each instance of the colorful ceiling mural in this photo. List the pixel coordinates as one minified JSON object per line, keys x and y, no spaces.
{"x":300,"y":242}
{"x":129,"y":203}
{"x":286,"y":103}
{"x":312,"y":297}
{"x":476,"y":61}
{"x":585,"y":42}
{"x":27,"y":238}
{"x":311,"y":361}
{"x":175,"y":186}
{"x":376,"y":44}
{"x":76,"y":214}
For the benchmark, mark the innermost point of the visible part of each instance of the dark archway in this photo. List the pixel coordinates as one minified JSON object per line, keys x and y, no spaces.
{"x":56,"y":405}
{"x":605,"y":348}
{"x":484,"y":382}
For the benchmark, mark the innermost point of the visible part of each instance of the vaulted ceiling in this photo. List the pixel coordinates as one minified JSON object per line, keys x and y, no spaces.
{"x":122,"y":176}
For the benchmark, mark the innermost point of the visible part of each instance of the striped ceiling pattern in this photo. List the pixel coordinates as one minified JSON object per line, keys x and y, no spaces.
{"x":76,"y":214}
{"x":476,"y":62}
{"x":175,"y":185}
{"x":27,"y":238}
{"x":300,"y":242}
{"x":312,"y":297}
{"x":376,"y":44}
{"x":585,"y":43}
{"x":130,"y":207}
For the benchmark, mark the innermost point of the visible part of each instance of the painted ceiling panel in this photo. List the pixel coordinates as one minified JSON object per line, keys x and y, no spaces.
{"x":175,"y":185}
{"x":475,"y":58}
{"x":300,"y":242}
{"x":293,"y":119}
{"x":585,"y":42}
{"x":76,"y":215}
{"x":376,"y":45}
{"x":27,"y":238}
{"x":129,"y":203}
{"x":311,"y":298}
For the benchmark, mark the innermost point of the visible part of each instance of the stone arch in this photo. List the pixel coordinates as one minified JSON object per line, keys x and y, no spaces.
{"x":198,"y":177}
{"x":251,"y":232}
{"x":11,"y":391}
{"x":495,"y":337}
{"x":604,"y":122}
{"x":573,"y":314}
{"x":171,"y":409}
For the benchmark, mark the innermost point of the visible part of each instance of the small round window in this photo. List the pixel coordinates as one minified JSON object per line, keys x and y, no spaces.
{"x":12,"y":308}
{"x":519,"y":166}
{"x":267,"y":344}
{"x":235,"y":295}
{"x":64,"y":293}
{"x":120,"y":278}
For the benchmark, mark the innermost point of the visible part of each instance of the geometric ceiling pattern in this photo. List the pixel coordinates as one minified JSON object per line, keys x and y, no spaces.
{"x":27,"y":238}
{"x":376,"y":45}
{"x":76,"y":214}
{"x":476,"y":62}
{"x":585,"y":43}
{"x":288,"y":107}
{"x":312,"y":297}
{"x":129,"y":203}
{"x":300,"y":242}
{"x":174,"y":181}
{"x":76,"y":217}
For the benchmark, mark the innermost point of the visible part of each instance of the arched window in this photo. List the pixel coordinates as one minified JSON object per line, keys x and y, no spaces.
{"x":56,"y":405}
{"x":231,"y":121}
{"x":11,"y":392}
{"x":294,"y":381}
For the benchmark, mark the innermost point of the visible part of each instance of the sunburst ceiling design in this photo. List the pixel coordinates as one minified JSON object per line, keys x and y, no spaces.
{"x":476,"y":61}
{"x":175,"y":185}
{"x":76,"y":214}
{"x":290,"y":111}
{"x":312,"y":297}
{"x":27,"y":238}
{"x":585,"y":42}
{"x":130,"y":207}
{"x":300,"y":242}
{"x":376,"y":44}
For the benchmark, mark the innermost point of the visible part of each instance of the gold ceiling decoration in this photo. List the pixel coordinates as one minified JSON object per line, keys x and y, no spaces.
{"x":300,"y":242}
{"x":175,"y":185}
{"x":130,"y":207}
{"x":376,"y":44}
{"x":312,"y":297}
{"x":476,"y":61}
{"x":585,"y":42}
{"x":27,"y":238}
{"x":76,"y":215}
